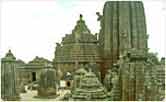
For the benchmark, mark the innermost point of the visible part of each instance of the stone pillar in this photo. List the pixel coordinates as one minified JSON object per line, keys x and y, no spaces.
{"x":8,"y":81}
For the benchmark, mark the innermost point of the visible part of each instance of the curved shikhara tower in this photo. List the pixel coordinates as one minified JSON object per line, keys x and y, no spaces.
{"x":122,"y":27}
{"x":124,"y":50}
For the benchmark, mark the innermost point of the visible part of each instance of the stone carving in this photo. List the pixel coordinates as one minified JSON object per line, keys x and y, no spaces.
{"x":100,"y":18}
{"x":107,"y":80}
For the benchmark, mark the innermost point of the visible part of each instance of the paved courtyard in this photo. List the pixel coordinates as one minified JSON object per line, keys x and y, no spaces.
{"x":29,"y":96}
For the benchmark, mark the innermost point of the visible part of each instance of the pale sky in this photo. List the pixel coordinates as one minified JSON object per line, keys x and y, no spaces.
{"x":32,"y":28}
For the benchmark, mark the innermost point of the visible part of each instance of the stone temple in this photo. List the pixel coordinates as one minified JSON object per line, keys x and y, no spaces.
{"x":76,"y":49}
{"x":112,"y":65}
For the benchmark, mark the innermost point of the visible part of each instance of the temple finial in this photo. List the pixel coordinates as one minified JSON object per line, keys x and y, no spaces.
{"x":9,"y":51}
{"x":81,"y":16}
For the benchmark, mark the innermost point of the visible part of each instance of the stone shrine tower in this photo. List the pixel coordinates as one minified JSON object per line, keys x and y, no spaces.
{"x":123,"y":41}
{"x":8,"y":81}
{"x":122,"y":27}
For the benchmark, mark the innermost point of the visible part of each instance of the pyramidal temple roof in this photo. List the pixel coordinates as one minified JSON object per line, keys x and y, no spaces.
{"x":39,"y":60}
{"x":80,"y":34}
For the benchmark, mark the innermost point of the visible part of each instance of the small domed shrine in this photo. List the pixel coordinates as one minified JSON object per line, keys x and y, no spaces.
{"x":90,"y":89}
{"x":8,"y":80}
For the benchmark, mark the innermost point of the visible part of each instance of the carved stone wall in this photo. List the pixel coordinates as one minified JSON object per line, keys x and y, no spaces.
{"x":140,"y":78}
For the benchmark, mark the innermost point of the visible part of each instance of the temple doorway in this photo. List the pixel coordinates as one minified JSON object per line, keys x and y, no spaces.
{"x":68,"y":84}
{"x":33,"y":76}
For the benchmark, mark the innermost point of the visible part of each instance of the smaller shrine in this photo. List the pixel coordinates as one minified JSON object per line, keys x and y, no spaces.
{"x":8,"y":80}
{"x":47,"y":83}
{"x":90,"y":89}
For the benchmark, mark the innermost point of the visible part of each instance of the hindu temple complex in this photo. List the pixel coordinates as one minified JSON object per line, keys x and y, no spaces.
{"x":112,"y":65}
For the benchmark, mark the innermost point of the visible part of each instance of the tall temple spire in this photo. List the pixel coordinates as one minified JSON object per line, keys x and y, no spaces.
{"x":123,"y":27}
